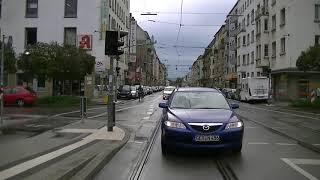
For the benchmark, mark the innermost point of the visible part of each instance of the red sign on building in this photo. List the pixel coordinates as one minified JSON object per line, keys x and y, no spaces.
{"x":85,"y":42}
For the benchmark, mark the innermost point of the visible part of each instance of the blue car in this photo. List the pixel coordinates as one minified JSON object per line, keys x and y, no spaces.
{"x":200,"y":118}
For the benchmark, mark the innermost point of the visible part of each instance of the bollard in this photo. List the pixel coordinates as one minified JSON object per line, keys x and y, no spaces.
{"x":83,"y":108}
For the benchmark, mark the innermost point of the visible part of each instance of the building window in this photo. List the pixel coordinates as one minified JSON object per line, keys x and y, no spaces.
{"x":70,"y":8}
{"x":258,"y":74}
{"x":283,"y":46}
{"x":30,"y":36}
{"x":274,"y":49}
{"x":248,"y":19}
{"x":32,"y":8}
{"x":317,"y":40}
{"x":41,"y":83}
{"x":238,"y":61}
{"x":248,"y":75}
{"x":273,"y":2}
{"x":248,"y":59}
{"x":266,"y":50}
{"x":282,"y":17}
{"x":252,"y":36}
{"x":317,"y":12}
{"x":110,"y":3}
{"x":252,"y":57}
{"x":244,"y":40}
{"x":248,"y":39}
{"x":252,"y":15}
{"x":274,"y":22}
{"x":244,"y":60}
{"x":70,"y":36}
{"x":266,"y":24}
{"x":239,"y":41}
{"x":252,"y":74}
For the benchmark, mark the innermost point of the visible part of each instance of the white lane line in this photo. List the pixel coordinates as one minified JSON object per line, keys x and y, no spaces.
{"x":146,"y":118}
{"x":137,"y":142}
{"x":78,"y":131}
{"x":286,"y":144}
{"x":149,"y":113}
{"x":300,"y":170}
{"x":258,"y":143}
{"x":297,"y":115}
{"x":102,"y":133}
{"x":250,"y":127}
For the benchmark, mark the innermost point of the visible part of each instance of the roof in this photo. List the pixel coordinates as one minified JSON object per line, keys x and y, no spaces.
{"x":198,"y":89}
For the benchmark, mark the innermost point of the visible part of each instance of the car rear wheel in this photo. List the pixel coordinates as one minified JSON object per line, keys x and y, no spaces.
{"x":20,"y":103}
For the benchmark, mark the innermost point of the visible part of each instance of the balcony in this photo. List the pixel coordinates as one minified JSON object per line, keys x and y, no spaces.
{"x":264,"y":62}
{"x":264,"y":11}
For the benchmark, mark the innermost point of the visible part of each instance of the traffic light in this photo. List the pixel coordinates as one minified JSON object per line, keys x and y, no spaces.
{"x":112,"y":42}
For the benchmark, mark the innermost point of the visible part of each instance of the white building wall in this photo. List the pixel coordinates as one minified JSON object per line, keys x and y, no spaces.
{"x":299,"y":30}
{"x":51,"y":22}
{"x":247,"y":49}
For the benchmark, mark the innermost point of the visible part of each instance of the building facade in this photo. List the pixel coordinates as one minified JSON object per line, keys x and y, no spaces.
{"x":66,"y":22}
{"x":231,"y":48}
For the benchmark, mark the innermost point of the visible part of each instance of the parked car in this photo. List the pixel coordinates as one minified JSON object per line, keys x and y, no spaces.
{"x":149,"y":90}
{"x":167,"y":92}
{"x":19,"y":95}
{"x":124,"y":92}
{"x":196,"y":118}
{"x":134,"y":92}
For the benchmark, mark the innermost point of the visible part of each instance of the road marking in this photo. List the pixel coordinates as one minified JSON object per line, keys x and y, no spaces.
{"x":293,"y":163}
{"x":137,"y":142}
{"x":117,"y":134}
{"x":286,"y":144}
{"x":146,"y":118}
{"x":297,"y":115}
{"x":78,"y":131}
{"x":149,"y":113}
{"x":258,"y":143}
{"x":250,"y":127}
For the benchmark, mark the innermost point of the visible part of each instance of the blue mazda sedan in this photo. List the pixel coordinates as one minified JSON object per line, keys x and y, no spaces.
{"x":200,"y":118}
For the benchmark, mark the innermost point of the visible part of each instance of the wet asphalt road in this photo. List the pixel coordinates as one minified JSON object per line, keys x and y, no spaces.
{"x":265,"y":155}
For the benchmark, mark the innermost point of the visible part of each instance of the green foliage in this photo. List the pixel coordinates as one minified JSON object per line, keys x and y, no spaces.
{"x":58,"y":101}
{"x":10,"y":59}
{"x":306,"y":104}
{"x":56,"y":62}
{"x":309,"y":60}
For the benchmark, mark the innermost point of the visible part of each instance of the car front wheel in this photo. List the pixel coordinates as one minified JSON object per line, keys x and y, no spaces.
{"x":237,"y":150}
{"x":20,"y":103}
{"x":164,"y":149}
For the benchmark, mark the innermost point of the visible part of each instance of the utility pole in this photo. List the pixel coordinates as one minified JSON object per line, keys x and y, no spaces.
{"x":111,"y":95}
{"x":1,"y":80}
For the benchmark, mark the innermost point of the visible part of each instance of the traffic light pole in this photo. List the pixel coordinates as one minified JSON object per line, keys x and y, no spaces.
{"x":111,"y":96}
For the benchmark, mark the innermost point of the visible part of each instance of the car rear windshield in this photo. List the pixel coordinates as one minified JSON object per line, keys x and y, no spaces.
{"x":199,"y":100}
{"x":169,"y":89}
{"x":30,"y":89}
{"x":126,"y":88}
{"x":133,"y":88}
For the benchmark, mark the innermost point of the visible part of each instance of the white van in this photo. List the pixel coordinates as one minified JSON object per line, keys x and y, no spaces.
{"x":254,"y":89}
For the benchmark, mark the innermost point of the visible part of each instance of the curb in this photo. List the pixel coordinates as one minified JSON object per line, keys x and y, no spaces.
{"x":303,"y":144}
{"x":93,"y":167}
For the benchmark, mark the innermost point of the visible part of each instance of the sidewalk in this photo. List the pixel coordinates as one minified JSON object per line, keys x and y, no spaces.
{"x":61,"y":153}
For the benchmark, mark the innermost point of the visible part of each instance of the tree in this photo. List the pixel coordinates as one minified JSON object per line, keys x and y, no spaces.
{"x":9,"y":59}
{"x":54,"y":61}
{"x":309,"y":60}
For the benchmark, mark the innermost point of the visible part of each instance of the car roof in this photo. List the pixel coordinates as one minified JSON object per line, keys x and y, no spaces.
{"x":197,"y":89}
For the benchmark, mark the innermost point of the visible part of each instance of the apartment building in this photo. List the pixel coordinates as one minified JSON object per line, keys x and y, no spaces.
{"x":65,"y":22}
{"x":231,"y":47}
{"x":293,"y":26}
{"x":248,"y":51}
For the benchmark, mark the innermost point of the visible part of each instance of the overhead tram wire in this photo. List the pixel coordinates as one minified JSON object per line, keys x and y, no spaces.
{"x":180,"y":25}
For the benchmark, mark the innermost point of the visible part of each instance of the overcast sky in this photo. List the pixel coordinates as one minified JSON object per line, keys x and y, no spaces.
{"x":166,"y":34}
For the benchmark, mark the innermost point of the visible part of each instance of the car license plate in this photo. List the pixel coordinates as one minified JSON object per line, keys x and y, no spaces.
{"x":206,"y":138}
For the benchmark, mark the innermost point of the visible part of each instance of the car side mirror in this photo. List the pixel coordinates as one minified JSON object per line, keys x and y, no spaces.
{"x":163,"y":105}
{"x":235,"y":106}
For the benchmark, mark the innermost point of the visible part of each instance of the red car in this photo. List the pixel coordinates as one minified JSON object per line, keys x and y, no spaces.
{"x":19,"y":95}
